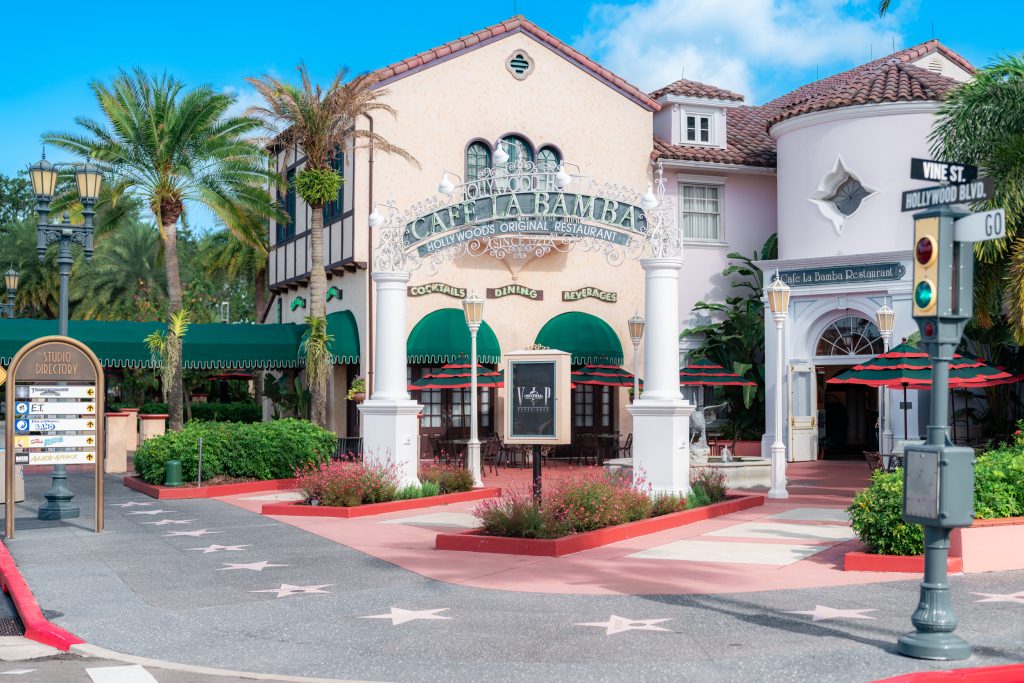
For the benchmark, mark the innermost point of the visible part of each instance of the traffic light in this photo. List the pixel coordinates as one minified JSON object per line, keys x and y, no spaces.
{"x":942,"y":294}
{"x":926,"y":259}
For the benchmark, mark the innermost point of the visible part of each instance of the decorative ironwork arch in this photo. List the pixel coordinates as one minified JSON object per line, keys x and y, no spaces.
{"x":525,"y":209}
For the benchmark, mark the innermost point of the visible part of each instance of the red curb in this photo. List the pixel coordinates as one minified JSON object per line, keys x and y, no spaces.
{"x":474,"y":541}
{"x":1013,"y":673}
{"x":908,"y":564}
{"x":37,"y":627}
{"x":177,"y":493}
{"x":298,"y":510}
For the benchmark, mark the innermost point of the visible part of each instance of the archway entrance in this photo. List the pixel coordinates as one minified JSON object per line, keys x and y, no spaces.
{"x":847,"y":413}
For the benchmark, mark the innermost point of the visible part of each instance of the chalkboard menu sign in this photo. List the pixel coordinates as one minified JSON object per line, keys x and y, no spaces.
{"x":537,"y":405}
{"x":533,"y":398}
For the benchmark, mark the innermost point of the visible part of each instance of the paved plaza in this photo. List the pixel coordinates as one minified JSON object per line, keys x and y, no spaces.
{"x":211,"y":583}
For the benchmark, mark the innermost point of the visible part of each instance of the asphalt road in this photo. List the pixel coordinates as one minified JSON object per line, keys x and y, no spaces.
{"x":207,"y":583}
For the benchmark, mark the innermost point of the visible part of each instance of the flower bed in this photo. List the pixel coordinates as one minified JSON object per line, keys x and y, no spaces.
{"x":210,"y":491}
{"x":342,"y":489}
{"x":300,"y":510}
{"x":586,"y":511}
{"x":475,"y":541}
{"x":858,"y":561}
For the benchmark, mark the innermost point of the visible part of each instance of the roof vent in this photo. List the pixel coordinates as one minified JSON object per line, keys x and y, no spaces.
{"x":935,"y":65}
{"x":519,"y":64}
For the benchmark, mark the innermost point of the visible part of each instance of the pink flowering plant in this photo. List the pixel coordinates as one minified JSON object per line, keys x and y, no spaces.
{"x":589,"y":501}
{"x":346,"y":484}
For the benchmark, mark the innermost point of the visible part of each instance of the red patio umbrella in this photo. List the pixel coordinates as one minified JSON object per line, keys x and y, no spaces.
{"x":458,"y":376}
{"x":707,"y":373}
{"x":603,"y":375}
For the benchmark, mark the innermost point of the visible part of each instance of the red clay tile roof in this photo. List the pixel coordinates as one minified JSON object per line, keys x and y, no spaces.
{"x":514,"y":25}
{"x":688,"y":88}
{"x":888,"y":79}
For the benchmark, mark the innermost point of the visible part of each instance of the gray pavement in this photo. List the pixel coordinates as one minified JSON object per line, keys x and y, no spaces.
{"x":135,"y":589}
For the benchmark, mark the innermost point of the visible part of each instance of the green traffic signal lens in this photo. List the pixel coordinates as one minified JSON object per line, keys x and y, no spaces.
{"x":923,"y":294}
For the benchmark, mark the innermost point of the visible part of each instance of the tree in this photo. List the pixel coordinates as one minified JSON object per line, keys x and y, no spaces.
{"x":169,"y":146}
{"x":321,"y":122}
{"x":16,"y":198}
{"x":982,"y":123}
{"x":125,"y":280}
{"x":734,"y":338}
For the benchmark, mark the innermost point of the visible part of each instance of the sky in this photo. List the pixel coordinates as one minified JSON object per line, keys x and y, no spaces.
{"x":760,"y":48}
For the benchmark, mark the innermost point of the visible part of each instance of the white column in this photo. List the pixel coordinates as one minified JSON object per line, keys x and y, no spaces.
{"x":473,"y":451}
{"x":778,"y":487}
{"x":390,"y":416}
{"x":661,"y":418}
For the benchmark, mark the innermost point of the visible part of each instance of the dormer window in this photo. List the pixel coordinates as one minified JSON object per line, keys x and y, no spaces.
{"x":698,"y":128}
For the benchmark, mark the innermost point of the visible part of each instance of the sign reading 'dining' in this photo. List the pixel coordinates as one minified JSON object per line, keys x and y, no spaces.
{"x":516,"y":290}
{"x":837,"y":275}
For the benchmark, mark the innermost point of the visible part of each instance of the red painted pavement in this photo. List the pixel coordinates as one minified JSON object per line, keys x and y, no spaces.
{"x":37,"y":627}
{"x":608,"y":570}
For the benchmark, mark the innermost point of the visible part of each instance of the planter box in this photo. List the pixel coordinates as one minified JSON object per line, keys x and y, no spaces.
{"x":908,"y":564}
{"x":990,"y":545}
{"x":116,"y":457}
{"x":133,"y":428}
{"x":297,"y":510}
{"x":151,"y":425}
{"x":474,"y":541}
{"x":182,"y":493}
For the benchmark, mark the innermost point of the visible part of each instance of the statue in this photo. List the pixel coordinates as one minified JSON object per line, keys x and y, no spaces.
{"x":699,"y":420}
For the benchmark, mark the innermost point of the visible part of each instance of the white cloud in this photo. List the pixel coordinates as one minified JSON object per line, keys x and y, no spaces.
{"x":245,"y":97}
{"x":727,"y":43}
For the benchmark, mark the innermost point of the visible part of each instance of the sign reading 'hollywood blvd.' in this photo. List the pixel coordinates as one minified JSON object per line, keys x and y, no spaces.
{"x":837,"y":275}
{"x":964,"y":193}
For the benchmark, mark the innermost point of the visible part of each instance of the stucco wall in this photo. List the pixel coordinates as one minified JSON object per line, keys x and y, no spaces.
{"x":876,"y":145}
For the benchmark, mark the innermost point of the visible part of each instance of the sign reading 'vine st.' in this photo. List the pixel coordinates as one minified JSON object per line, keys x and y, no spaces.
{"x":538,"y":212}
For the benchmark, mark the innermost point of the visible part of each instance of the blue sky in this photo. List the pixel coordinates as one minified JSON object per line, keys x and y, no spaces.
{"x":761,"y":48}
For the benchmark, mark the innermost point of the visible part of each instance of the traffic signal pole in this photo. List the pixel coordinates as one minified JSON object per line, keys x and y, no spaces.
{"x":939,"y":477}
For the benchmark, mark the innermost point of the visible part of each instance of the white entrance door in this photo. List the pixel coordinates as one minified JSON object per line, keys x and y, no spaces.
{"x":803,"y":413}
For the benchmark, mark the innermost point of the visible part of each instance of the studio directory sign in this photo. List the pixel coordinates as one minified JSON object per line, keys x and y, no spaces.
{"x":537,"y":386}
{"x":54,"y":412}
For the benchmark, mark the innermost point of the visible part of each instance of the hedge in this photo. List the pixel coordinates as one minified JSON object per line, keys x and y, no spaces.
{"x":877,"y":511}
{"x":238,"y":411}
{"x":261,"y":450}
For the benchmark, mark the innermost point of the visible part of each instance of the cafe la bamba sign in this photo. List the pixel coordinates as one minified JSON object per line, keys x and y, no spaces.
{"x":523,"y":204}
{"x":838,"y":275}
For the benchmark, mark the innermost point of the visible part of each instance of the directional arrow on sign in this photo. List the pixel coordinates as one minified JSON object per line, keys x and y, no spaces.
{"x":3,"y":375}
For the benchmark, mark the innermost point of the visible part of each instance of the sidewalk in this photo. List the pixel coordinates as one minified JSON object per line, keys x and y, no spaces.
{"x":796,"y":543}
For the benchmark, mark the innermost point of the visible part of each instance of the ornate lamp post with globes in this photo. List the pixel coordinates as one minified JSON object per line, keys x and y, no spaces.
{"x":473,"y":306}
{"x":885,"y":318}
{"x":778,"y":302}
{"x":11,"y":279}
{"x":88,"y":178}
{"x":636,"y":334}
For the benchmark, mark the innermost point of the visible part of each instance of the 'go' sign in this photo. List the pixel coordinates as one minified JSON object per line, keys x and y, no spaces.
{"x":979,"y":227}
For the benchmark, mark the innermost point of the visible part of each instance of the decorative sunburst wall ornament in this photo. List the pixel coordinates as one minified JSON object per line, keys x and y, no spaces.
{"x":840,"y":193}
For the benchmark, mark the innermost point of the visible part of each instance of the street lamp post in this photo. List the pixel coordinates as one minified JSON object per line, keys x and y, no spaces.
{"x":473,"y":306}
{"x":11,"y":279}
{"x":885,"y":318}
{"x":778,"y":302}
{"x":88,"y":177}
{"x":636,"y":334}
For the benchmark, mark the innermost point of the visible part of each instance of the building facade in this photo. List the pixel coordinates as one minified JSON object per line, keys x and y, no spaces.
{"x":822,"y":167}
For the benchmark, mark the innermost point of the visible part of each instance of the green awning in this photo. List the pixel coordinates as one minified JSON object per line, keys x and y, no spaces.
{"x":588,"y":338}
{"x":442,"y":337}
{"x":117,"y":344}
{"x":344,"y":347}
{"x":209,"y":346}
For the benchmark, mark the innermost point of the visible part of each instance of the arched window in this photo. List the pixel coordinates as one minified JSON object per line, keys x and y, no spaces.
{"x":517,"y":149}
{"x":850,"y":336}
{"x":478,"y":157}
{"x":548,"y":158}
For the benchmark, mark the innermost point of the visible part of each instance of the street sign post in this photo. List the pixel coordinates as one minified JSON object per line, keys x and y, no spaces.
{"x":54,"y":417}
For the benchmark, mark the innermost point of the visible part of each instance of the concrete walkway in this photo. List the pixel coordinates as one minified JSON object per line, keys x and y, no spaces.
{"x":212,"y":584}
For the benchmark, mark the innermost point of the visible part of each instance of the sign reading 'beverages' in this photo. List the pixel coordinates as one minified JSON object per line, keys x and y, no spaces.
{"x":836,"y":275}
{"x":589,"y":293}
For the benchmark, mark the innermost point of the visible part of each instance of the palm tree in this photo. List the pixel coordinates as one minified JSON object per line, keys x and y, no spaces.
{"x":126,"y":278}
{"x":321,"y":122}
{"x":168,"y":146}
{"x":980,"y":123}
{"x":38,"y":290}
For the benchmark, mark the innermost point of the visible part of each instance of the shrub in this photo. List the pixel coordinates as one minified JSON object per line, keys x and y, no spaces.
{"x":877,"y":511}
{"x":238,"y":411}
{"x":594,"y":501}
{"x":877,"y":517}
{"x":448,"y":479}
{"x":516,"y":516}
{"x":262,"y":450}
{"x":711,"y":482}
{"x":667,"y":503}
{"x":344,"y":484}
